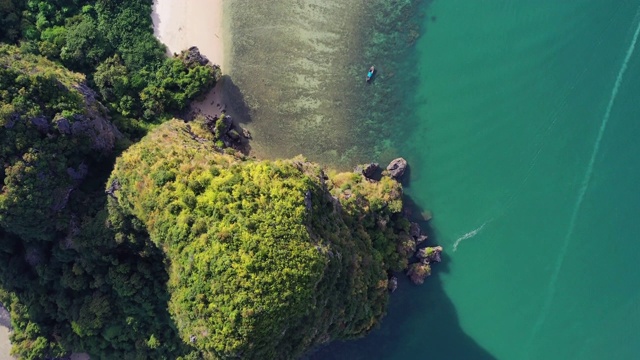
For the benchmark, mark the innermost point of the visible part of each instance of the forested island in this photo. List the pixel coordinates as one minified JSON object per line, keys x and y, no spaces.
{"x":128,"y":233}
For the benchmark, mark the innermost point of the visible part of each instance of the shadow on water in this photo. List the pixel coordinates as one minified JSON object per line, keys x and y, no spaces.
{"x":426,"y":309}
{"x":233,"y":100}
{"x":233,"y":104}
{"x":421,"y":322}
{"x":225,"y":98}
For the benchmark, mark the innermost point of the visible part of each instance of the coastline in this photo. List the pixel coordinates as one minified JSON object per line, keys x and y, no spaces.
{"x":200,"y":23}
{"x":180,"y":25}
{"x":5,"y":330}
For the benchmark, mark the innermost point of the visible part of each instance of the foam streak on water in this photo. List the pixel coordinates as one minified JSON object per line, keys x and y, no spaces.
{"x":468,"y":235}
{"x":581,"y":193}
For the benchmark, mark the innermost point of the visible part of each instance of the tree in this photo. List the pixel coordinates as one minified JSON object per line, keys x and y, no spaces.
{"x":111,"y":78}
{"x":10,"y":14}
{"x":84,"y":46}
{"x":263,"y":264}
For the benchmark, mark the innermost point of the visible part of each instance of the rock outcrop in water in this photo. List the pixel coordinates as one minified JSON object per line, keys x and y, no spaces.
{"x":368,"y":171}
{"x":419,"y":271}
{"x":397,"y":167}
{"x":430,"y":254}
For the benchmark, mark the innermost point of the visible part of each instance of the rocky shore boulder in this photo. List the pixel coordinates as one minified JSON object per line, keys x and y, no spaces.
{"x":246,"y":133}
{"x":393,"y":284}
{"x":397,"y":168}
{"x":430,"y":254}
{"x":414,"y":230}
{"x":406,"y":245}
{"x":369,"y":170}
{"x":416,"y":233}
{"x":193,"y":56}
{"x":418,"y":272}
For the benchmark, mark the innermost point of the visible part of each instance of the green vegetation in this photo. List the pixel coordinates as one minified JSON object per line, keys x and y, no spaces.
{"x":67,"y":282}
{"x":265,"y":262}
{"x":112,"y":43}
{"x":193,"y":251}
{"x":39,"y":107}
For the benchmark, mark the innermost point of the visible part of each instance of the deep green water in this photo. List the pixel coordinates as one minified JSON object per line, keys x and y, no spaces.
{"x":524,"y":143}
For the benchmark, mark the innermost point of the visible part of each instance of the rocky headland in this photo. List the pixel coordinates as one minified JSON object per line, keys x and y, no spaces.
{"x":410,"y":243}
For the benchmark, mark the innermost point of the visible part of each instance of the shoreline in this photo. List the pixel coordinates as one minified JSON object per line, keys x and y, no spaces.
{"x":181,"y":25}
{"x":5,"y":331}
{"x":200,"y":23}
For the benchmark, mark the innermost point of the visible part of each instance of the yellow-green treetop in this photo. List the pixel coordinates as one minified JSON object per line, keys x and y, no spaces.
{"x":265,"y":258}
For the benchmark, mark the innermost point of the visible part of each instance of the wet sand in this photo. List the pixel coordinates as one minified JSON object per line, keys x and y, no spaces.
{"x":5,"y":326}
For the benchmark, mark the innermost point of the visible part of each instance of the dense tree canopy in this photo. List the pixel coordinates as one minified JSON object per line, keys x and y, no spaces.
{"x":195,"y":252}
{"x":107,"y":40}
{"x":264,"y":261}
{"x":40,"y":105}
{"x":68,"y":283}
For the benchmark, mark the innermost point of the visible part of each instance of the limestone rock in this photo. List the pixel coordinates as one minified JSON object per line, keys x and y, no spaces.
{"x":430,"y":254}
{"x":406,"y":245}
{"x":415,"y":230}
{"x":94,"y":123}
{"x":418,"y":272}
{"x":64,"y":126}
{"x":193,"y":55}
{"x":113,"y":187}
{"x":41,"y":123}
{"x":246,"y":133}
{"x":397,"y":167}
{"x":393,"y":284}
{"x":369,"y":170}
{"x":421,"y":239}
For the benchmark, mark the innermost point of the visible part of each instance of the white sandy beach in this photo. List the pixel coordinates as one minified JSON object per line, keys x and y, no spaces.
{"x":5,"y":324}
{"x":5,"y":345}
{"x":182,"y":24}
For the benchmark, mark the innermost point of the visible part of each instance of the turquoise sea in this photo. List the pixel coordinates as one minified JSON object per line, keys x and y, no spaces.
{"x":523,"y":140}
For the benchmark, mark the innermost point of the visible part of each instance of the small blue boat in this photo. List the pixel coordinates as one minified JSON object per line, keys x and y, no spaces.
{"x":370,"y":73}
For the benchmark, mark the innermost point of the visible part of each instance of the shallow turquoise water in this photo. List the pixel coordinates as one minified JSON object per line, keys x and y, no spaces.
{"x":524,"y":145}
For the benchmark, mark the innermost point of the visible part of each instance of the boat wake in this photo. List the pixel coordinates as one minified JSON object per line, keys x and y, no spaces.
{"x":468,"y":235}
{"x":582,"y":191}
